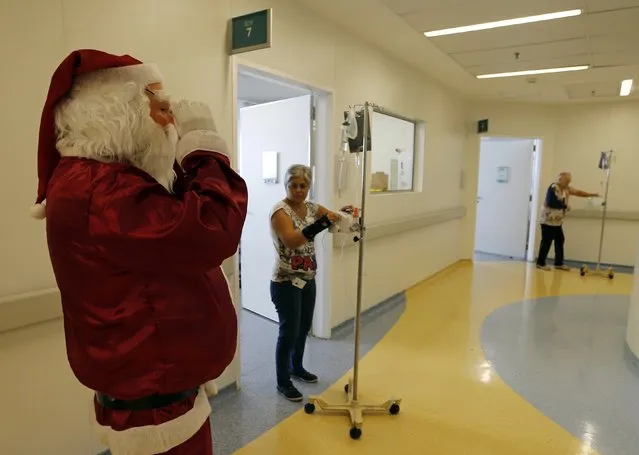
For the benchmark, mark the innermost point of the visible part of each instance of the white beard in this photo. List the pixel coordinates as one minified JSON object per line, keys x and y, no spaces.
{"x":111,"y":123}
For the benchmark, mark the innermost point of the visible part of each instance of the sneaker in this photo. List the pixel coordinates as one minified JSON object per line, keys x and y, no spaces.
{"x":565,"y":268}
{"x":291,"y":393}
{"x":543,"y":267}
{"x":305,"y":376}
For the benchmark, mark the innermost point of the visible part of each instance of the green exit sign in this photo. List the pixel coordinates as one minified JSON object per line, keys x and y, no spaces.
{"x":250,"y":32}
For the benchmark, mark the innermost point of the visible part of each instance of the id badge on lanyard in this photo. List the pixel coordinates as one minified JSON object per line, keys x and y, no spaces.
{"x":298,"y":283}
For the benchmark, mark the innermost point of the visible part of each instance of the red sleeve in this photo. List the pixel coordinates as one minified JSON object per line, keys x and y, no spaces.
{"x":138,"y":224}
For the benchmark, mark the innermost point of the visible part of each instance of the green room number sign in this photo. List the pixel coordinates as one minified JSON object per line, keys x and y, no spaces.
{"x":250,"y":32}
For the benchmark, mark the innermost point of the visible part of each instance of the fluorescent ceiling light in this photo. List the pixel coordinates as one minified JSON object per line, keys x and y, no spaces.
{"x":626,"y":87}
{"x":534,"y":72}
{"x":504,"y":23}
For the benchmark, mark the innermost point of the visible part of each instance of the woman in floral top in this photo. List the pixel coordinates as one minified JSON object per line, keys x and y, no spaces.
{"x":294,"y":224}
{"x":552,"y":217}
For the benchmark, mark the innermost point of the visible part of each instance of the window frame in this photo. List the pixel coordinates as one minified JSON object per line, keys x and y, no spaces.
{"x":417,"y":124}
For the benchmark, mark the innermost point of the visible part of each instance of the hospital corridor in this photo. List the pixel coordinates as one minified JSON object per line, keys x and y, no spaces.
{"x":285,"y":227}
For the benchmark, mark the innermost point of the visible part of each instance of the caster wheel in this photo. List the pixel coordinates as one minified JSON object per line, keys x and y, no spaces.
{"x":346,"y":388}
{"x":309,"y":408}
{"x":355,"y":433}
{"x":394,"y":409}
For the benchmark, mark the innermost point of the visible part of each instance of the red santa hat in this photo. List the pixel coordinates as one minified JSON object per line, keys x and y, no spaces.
{"x":112,"y":69}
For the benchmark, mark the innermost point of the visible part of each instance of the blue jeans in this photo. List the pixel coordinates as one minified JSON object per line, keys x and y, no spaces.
{"x":295,"y":309}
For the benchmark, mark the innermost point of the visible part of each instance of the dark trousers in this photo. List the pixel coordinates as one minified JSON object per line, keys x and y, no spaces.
{"x":550,"y":234}
{"x":295,"y":309}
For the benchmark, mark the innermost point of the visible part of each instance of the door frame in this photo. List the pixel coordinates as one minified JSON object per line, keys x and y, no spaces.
{"x":321,"y":161}
{"x":535,"y":201}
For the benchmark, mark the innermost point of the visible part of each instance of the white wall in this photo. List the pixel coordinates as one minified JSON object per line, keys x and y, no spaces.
{"x":632,"y":331}
{"x":572,"y":139}
{"x":188,"y":40}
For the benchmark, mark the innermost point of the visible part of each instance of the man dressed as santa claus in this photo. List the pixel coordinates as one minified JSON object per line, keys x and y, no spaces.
{"x":142,"y":207}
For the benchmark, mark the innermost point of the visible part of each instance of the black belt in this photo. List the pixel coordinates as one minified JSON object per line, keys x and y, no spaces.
{"x":145,"y":403}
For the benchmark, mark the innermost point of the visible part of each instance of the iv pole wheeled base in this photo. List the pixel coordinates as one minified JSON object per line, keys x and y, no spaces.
{"x":605,"y":164}
{"x":354,"y":409}
{"x":598,"y":271}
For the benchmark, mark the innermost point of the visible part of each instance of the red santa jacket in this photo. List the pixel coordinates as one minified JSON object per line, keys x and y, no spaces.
{"x":146,"y":306}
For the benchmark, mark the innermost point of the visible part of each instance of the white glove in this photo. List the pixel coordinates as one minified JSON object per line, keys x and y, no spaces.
{"x":196,"y":128}
{"x":192,"y":116}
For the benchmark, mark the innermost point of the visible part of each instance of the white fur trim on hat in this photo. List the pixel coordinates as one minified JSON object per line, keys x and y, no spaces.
{"x":39,"y":211}
{"x":143,"y":74}
{"x":154,"y":439}
{"x":200,"y":140}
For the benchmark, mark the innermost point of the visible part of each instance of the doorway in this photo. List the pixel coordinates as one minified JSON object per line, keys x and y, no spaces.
{"x":506,"y":197}
{"x":277,"y":125}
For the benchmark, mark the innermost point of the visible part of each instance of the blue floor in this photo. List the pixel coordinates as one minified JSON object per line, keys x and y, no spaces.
{"x":241,"y":416}
{"x":567,"y":356}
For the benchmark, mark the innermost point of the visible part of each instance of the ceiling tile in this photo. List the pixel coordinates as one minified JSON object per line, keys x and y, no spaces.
{"x":616,"y":58}
{"x":607,"y":5}
{"x":605,"y":44}
{"x":520,"y":95}
{"x":411,"y":6}
{"x":561,"y":62}
{"x":613,"y":22}
{"x":592,"y":90}
{"x":527,"y":54}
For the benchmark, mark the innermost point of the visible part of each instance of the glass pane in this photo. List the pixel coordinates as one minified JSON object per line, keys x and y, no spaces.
{"x":393,"y":153}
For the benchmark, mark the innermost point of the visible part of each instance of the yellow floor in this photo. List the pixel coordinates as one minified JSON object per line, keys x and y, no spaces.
{"x":432,"y":359}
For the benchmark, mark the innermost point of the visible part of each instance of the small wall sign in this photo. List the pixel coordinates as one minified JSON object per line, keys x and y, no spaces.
{"x":503,"y":174}
{"x":270,"y":167}
{"x":250,"y":32}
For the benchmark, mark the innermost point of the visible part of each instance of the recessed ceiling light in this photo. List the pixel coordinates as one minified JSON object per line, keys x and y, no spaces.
{"x":504,"y":23}
{"x":626,"y":87}
{"x":534,"y":72}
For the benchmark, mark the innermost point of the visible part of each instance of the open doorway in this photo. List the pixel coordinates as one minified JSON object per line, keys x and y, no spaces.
{"x":277,"y":125}
{"x":507,"y":205}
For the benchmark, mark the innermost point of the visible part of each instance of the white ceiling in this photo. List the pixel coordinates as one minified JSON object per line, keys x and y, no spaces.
{"x":606,"y":37}
{"x":256,"y":89}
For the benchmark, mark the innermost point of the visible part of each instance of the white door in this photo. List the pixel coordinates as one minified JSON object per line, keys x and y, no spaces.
{"x":503,"y":196}
{"x":283,"y":127}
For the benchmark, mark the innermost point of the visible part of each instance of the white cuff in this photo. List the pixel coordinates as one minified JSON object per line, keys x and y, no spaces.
{"x":345,"y":223}
{"x":154,"y":439}
{"x":200,"y":140}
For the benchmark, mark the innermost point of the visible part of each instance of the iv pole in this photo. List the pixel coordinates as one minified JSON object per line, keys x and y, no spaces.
{"x":353,"y":407}
{"x":606,"y":165}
